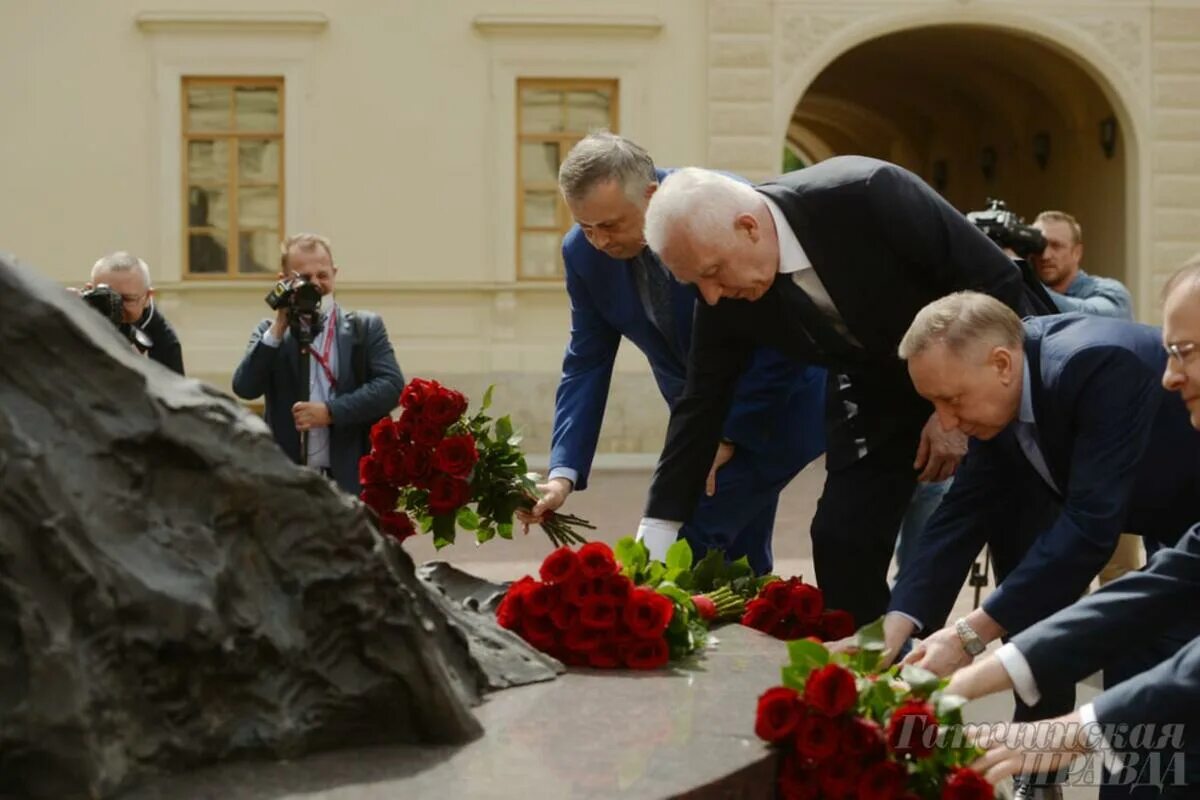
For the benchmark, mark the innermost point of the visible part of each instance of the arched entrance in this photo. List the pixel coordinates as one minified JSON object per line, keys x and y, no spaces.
{"x":982,"y":111}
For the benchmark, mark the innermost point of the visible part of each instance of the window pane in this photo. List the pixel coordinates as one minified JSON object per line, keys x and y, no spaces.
{"x":259,"y":251}
{"x":257,"y":108}
{"x":541,"y":255}
{"x":207,"y":252}
{"x":209,"y":106}
{"x":539,"y":209}
{"x":208,"y":161}
{"x":539,"y":162}
{"x":588,"y":111}
{"x":258,"y":161}
{"x":258,"y":207}
{"x":541,"y":111}
{"x":208,"y":207}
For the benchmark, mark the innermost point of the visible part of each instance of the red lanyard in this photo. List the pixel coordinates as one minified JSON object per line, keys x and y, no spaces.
{"x":323,"y":356}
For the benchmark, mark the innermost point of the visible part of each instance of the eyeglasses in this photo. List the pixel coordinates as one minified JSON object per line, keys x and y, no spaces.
{"x":1180,"y":350}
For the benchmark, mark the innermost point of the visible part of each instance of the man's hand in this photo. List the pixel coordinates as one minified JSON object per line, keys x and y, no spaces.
{"x":942,"y":653}
{"x":940,"y":451}
{"x":724,"y":453}
{"x":311,"y":415}
{"x":554,"y":494}
{"x":896,"y":630}
{"x":1029,"y":747}
{"x":980,"y":679}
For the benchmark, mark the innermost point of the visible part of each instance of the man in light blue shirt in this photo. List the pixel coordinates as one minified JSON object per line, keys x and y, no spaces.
{"x":1070,"y":287}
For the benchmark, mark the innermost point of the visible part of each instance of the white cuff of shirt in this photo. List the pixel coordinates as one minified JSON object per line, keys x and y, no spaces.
{"x":658,"y":535}
{"x":1014,"y":663}
{"x":269,"y":339}
{"x":1088,"y":721}
{"x":564,"y":472}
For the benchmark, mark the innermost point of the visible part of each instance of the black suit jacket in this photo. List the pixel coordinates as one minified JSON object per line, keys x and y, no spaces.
{"x":884,"y":245}
{"x":1118,"y":446}
{"x":1127,"y":614}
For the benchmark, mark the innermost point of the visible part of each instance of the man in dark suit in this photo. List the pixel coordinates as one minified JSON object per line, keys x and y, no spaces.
{"x":1148,"y":616}
{"x":353,"y":378}
{"x":829,"y":265}
{"x":618,"y":290}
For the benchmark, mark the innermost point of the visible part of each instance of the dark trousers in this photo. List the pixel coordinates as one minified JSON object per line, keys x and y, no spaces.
{"x":854,"y":529}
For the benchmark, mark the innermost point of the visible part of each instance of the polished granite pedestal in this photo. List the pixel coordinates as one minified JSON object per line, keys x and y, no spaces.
{"x":684,"y":732}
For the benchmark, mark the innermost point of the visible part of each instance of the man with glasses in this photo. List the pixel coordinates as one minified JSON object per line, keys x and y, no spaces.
{"x":128,"y":276}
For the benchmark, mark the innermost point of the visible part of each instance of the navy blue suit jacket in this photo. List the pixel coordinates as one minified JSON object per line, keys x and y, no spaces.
{"x":778,"y":410}
{"x":1119,"y":447}
{"x":1129,"y":613}
{"x":274,"y":372}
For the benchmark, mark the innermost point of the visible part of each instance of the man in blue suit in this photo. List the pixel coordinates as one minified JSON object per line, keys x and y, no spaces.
{"x":619,"y":289}
{"x":1074,"y":440}
{"x":354,"y":379}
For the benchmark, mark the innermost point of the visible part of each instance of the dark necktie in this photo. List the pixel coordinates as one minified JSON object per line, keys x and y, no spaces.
{"x":654,"y":285}
{"x":820,"y":330}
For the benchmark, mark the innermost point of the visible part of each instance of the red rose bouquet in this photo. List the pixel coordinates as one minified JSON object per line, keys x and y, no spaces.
{"x":429,"y":467}
{"x":587,"y":611}
{"x":846,"y":731}
{"x":792,"y":609}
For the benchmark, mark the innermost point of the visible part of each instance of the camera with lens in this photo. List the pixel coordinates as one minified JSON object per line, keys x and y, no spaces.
{"x":302,"y":301}
{"x":1006,"y":229}
{"x":102,"y":298}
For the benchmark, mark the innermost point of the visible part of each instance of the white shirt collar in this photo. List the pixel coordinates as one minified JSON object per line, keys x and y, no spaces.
{"x":792,"y":257}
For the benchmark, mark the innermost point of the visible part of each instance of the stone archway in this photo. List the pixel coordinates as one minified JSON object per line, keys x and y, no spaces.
{"x":806,"y":92}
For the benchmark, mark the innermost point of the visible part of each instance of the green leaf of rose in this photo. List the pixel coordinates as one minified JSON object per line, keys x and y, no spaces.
{"x":679,"y":555}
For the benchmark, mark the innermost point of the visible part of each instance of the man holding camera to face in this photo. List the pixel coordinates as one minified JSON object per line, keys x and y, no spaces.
{"x":353,"y":379}
{"x":120,"y":289}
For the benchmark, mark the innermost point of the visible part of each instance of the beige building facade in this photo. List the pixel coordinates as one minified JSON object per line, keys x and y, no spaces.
{"x":422,"y":136}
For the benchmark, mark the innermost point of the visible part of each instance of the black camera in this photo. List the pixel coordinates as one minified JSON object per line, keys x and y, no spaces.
{"x":110,"y":305}
{"x":295,"y":294}
{"x":1006,"y":229}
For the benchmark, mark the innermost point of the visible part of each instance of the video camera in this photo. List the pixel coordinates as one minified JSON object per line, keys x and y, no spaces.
{"x":1006,"y":229}
{"x":110,"y":305}
{"x":302,"y":299}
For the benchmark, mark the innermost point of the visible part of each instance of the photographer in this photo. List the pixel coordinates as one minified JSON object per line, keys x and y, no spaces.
{"x":128,"y":277}
{"x":1071,"y":288}
{"x":353,"y":378}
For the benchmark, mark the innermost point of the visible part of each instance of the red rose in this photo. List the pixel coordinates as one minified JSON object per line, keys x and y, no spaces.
{"x":864,"y":740}
{"x":397,"y":524}
{"x":564,"y":616}
{"x":456,"y":455}
{"x":912,"y":730}
{"x":760,"y":615}
{"x":618,"y":587}
{"x":600,"y":612}
{"x":884,"y":780}
{"x":510,"y":610}
{"x":798,"y":779}
{"x":967,"y":784}
{"x":817,"y":737}
{"x":705,"y":607}
{"x":830,"y":690}
{"x":371,"y":470}
{"x":836,"y":624}
{"x":778,"y":594}
{"x":444,"y":406}
{"x":647,"y":613}
{"x":807,"y":602}
{"x":838,"y":777}
{"x":540,"y":600}
{"x":404,"y":425}
{"x":779,"y":713}
{"x":381,"y":497}
{"x":539,"y":632}
{"x":393,"y":466}
{"x":606,"y":656}
{"x":560,"y":567}
{"x":384,"y":436}
{"x":647,"y":653}
{"x":447,"y":494}
{"x":416,"y":392}
{"x":581,"y":639}
{"x":790,"y":629}
{"x":418,"y":466}
{"x":427,"y":433}
{"x":596,"y":560}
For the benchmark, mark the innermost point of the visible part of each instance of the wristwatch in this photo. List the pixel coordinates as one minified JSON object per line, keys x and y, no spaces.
{"x":969,"y":638}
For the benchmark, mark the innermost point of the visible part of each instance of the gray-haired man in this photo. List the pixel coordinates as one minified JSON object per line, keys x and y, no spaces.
{"x":128,"y":276}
